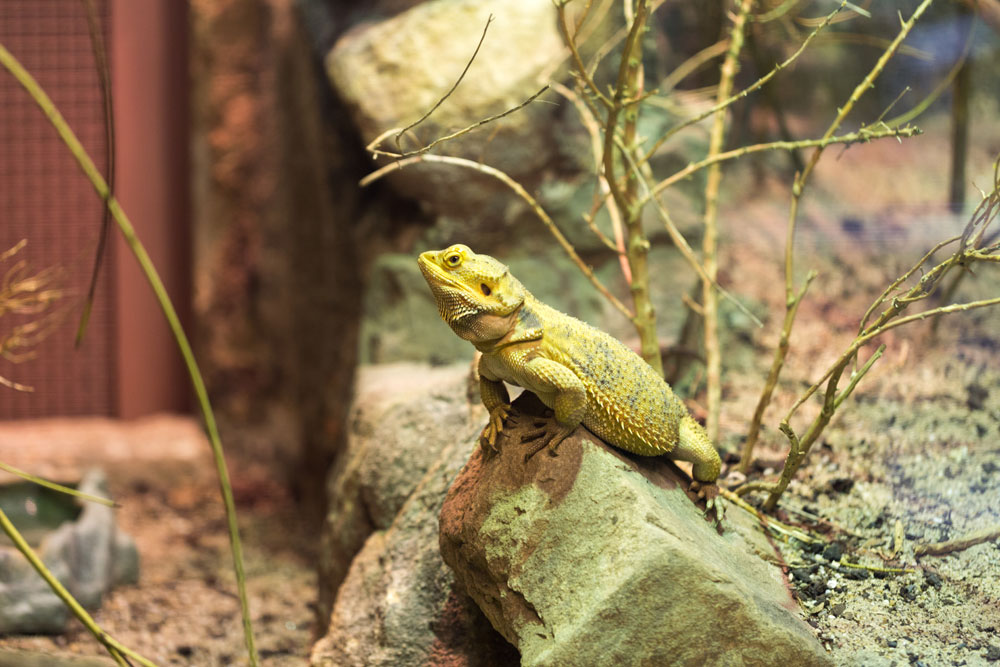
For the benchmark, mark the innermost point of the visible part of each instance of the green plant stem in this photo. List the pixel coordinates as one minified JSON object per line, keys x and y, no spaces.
{"x":710,"y":239}
{"x":114,"y":647}
{"x":725,"y":102}
{"x":128,"y":232}
{"x":625,"y":190}
{"x":791,"y":299}
{"x":861,"y":136}
{"x":781,"y":353}
{"x":56,"y":487}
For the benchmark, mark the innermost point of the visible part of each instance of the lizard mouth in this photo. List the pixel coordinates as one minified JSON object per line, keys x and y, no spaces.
{"x":455,"y":299}
{"x":437,"y":276}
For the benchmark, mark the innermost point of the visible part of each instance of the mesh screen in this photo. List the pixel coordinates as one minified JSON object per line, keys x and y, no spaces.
{"x":45,"y":199}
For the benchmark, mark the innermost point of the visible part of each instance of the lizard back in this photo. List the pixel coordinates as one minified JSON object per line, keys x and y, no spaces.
{"x":628,"y":404}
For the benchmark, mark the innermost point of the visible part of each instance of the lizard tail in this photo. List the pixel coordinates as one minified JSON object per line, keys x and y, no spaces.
{"x":695,"y":446}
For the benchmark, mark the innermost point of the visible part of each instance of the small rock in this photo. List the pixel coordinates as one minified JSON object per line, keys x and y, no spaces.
{"x":838,"y":609}
{"x":976,"y":396}
{"x":909,"y":592}
{"x":842,"y":484}
{"x":88,"y":554}
{"x":992,"y":653}
{"x":802,"y":574}
{"x":833,"y":551}
{"x":812,"y":547}
{"x":891,"y":643}
{"x":932,"y":578}
{"x":816,"y":589}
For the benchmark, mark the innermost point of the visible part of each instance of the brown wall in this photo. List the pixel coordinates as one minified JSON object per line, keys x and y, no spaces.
{"x":150,"y":80}
{"x":127,"y":365}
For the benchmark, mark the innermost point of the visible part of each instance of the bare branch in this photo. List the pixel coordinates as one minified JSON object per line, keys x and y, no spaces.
{"x":746,"y":91}
{"x":373,"y":146}
{"x":523,"y":194}
{"x":461,"y":76}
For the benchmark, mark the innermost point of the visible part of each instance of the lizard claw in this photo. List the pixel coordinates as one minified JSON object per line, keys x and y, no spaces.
{"x":493,"y":428}
{"x":550,"y":435}
{"x":714,"y":508}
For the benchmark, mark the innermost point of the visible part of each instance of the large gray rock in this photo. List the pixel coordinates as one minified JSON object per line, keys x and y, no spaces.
{"x":402,"y":417}
{"x":399,"y":604}
{"x":596,"y":558}
{"x":86,"y":553}
{"x":390,"y":72}
{"x":392,"y":599}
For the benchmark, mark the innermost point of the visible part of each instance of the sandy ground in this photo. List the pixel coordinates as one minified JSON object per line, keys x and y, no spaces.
{"x":184,"y":610}
{"x":914,"y":456}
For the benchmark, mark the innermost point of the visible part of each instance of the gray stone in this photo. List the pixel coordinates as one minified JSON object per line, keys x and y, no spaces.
{"x":397,"y":603}
{"x":86,"y":553}
{"x":401,"y":322}
{"x":403,"y":416}
{"x":390,"y":72}
{"x":592,"y":557}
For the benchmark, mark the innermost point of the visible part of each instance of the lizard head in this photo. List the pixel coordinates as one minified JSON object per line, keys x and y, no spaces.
{"x":475,"y":294}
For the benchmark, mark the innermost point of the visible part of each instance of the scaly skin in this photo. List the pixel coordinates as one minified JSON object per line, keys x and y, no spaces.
{"x":582,"y":374}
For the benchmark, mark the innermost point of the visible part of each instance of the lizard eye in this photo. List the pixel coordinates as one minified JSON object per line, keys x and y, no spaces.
{"x":454,"y":259}
{"x":485,"y":289}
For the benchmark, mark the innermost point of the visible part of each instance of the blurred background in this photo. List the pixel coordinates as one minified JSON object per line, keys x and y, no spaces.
{"x":233,"y":133}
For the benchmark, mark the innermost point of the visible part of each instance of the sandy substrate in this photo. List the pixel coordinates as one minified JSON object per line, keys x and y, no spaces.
{"x":184,"y":610}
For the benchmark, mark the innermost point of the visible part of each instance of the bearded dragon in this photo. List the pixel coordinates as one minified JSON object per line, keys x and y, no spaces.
{"x":581,"y":373}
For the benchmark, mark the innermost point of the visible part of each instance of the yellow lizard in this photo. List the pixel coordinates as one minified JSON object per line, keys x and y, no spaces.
{"x":582,"y":374}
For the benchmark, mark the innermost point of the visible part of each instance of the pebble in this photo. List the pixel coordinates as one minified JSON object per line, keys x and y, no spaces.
{"x":833,"y":551}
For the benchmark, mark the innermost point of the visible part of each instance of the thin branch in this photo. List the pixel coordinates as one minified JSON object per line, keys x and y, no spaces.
{"x":461,"y":76}
{"x":894,"y":285}
{"x":857,"y":375}
{"x":861,"y":89}
{"x":643,"y":174}
{"x":923,"y":315}
{"x":941,"y":548}
{"x":375,"y":150}
{"x":864,"y":135}
{"x":781,"y":353}
{"x":581,"y":70}
{"x":602,"y":191}
{"x":797,"y":454}
{"x":710,"y":238}
{"x":746,"y":91}
{"x":104,"y":78}
{"x":520,"y":192}
{"x":687,"y":68}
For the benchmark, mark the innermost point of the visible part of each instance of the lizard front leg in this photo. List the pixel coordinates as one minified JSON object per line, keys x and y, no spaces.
{"x":561,"y":390}
{"x":497,"y":401}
